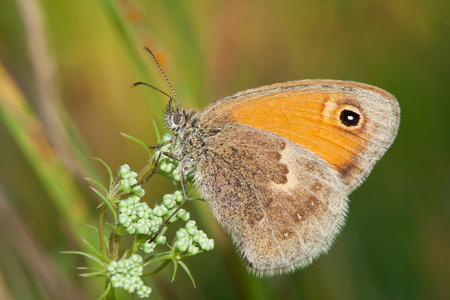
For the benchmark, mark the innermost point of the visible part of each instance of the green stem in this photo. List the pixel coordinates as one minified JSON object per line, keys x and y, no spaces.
{"x":159,"y":269}
{"x":100,"y":227}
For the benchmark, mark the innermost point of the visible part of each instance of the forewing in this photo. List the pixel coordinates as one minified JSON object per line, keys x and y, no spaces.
{"x":308,"y":113}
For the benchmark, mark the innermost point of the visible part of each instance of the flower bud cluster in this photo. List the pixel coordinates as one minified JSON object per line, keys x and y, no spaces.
{"x":125,"y":273}
{"x":167,"y":164}
{"x":138,"y":218}
{"x":191,"y":240}
{"x":128,"y":179}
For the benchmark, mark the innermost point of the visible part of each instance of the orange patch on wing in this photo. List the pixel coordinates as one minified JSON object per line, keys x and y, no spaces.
{"x":308,"y":119}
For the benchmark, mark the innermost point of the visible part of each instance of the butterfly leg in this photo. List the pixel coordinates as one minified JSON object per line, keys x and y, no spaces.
{"x":183,"y":185}
{"x":161,"y":145}
{"x":153,"y":171}
{"x":168,"y":154}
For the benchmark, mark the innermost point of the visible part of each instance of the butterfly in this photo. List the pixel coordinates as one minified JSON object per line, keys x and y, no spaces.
{"x":277,"y":163}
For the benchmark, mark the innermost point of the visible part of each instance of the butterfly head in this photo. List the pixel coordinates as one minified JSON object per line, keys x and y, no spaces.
{"x":175,"y":118}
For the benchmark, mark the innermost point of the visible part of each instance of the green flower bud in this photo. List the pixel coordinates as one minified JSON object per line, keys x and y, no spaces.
{"x":179,"y":196}
{"x":124,"y":208}
{"x":125,"y":185}
{"x":122,"y":265}
{"x":193,"y":250}
{"x":169,"y":200}
{"x":132,"y":181}
{"x":166,"y":167}
{"x":155,"y":223}
{"x":176,"y":175}
{"x":134,"y":199}
{"x":181,"y":234}
{"x":160,"y":210}
{"x":200,"y":236}
{"x":136,"y":258}
{"x":183,"y":215}
{"x":143,"y":226}
{"x":140,"y":193}
{"x":174,"y":217}
{"x":131,"y":229}
{"x":139,"y":270}
{"x":144,"y":292}
{"x":181,"y":245}
{"x":160,"y":240}
{"x":112,"y":267}
{"x":207,"y":244}
{"x":124,"y":220}
{"x":148,"y":247}
{"x":124,"y":171}
{"x":136,"y":189}
{"x":191,"y":228}
{"x":117,"y":281}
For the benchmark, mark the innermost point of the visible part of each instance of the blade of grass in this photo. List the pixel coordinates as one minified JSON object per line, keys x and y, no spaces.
{"x":27,"y":131}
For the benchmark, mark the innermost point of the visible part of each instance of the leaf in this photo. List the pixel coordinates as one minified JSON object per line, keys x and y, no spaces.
{"x":106,"y":292}
{"x":170,"y":177}
{"x":100,"y":273}
{"x":111,"y":177}
{"x":159,"y":269}
{"x":106,"y":200}
{"x":88,"y":226}
{"x":175,"y":266}
{"x":137,"y":141}
{"x":158,"y":135}
{"x":93,"y":257}
{"x":158,"y":257}
{"x":95,"y":251}
{"x":187,"y":271}
{"x":97,"y":183}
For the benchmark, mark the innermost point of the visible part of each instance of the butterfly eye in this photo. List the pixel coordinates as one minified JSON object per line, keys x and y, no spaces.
{"x":349,"y":118}
{"x":177,"y":119}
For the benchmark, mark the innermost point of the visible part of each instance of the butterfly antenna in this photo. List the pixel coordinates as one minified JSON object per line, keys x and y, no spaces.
{"x":155,"y":88}
{"x":165,"y":77}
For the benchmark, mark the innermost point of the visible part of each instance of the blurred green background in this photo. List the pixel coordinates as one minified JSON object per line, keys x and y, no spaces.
{"x":66,"y":68}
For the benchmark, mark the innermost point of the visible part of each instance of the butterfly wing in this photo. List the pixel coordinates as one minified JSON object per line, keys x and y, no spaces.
{"x":281,"y":203}
{"x":320,"y":115}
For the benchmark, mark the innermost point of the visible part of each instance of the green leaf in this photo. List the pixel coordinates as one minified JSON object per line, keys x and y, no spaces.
{"x":158,"y":257}
{"x":106,"y":292}
{"x":93,"y":257}
{"x":111,"y":176}
{"x":187,"y":271}
{"x":88,"y":226}
{"x":159,"y":269}
{"x":137,"y":141}
{"x":95,"y":251}
{"x":175,"y":266}
{"x":97,"y":183}
{"x":106,"y":200}
{"x":158,"y":135}
{"x":100,"y":273}
{"x":170,"y":177}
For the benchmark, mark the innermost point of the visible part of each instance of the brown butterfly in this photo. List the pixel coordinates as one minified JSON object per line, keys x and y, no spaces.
{"x":276,"y":163}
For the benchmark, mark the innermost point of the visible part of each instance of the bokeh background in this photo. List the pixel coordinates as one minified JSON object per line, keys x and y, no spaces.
{"x":66,"y":68}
